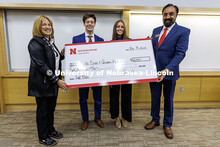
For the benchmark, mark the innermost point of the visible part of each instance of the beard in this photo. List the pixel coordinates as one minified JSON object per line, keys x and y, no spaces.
{"x":168,"y":22}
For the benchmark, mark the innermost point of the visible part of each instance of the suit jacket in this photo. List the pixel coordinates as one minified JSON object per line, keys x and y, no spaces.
{"x":42,"y":81}
{"x":81,"y":38}
{"x":172,"y":50}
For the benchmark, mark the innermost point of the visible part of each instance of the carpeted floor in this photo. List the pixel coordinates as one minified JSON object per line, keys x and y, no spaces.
{"x":191,"y":127}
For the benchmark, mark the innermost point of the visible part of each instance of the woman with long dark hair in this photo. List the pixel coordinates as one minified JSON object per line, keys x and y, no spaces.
{"x":119,"y":33}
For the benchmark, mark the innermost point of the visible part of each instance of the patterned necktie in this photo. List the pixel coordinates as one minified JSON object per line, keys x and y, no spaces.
{"x":90,"y":38}
{"x":162,"y":37}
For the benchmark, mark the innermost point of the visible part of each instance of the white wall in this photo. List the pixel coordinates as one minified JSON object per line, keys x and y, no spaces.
{"x":203,"y":52}
{"x":66,"y":25}
{"x":153,"y":3}
{"x":193,"y":61}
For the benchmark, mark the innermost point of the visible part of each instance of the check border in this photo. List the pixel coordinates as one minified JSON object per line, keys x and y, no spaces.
{"x":111,"y":83}
{"x":108,"y":41}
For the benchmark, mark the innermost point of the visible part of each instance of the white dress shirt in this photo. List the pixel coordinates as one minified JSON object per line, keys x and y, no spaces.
{"x":87,"y":38}
{"x":168,"y":30}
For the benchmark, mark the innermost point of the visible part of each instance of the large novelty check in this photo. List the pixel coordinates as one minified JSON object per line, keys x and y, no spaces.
{"x":109,"y":63}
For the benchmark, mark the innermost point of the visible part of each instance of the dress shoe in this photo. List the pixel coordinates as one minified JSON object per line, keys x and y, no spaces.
{"x":84,"y":125}
{"x":118,"y":123}
{"x":168,"y":132}
{"x":99,"y":122}
{"x":48,"y":141}
{"x":124,"y":123}
{"x":151,"y":125}
{"x":56,"y":135}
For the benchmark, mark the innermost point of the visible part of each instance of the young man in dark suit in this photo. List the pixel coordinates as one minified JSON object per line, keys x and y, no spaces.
{"x":170,"y":43}
{"x":89,"y":20}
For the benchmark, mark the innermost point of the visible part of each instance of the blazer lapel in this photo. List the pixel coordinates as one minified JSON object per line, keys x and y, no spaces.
{"x":157,"y":32}
{"x":170,"y":34}
{"x":83,"y":37}
{"x":95,"y":38}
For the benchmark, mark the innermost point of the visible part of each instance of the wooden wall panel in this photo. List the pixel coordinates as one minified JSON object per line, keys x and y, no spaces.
{"x":210,"y":89}
{"x":15,"y":94}
{"x":3,"y":63}
{"x":105,"y":106}
{"x":1,"y":68}
{"x":197,"y":104}
{"x":3,"y":56}
{"x":141,"y":92}
{"x":1,"y":97}
{"x":16,"y":99}
{"x":105,"y":94}
{"x":16,"y":90}
{"x":72,"y":95}
{"x":191,"y":89}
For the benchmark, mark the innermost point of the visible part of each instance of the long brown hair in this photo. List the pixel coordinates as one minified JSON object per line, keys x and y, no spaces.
{"x":36,"y":32}
{"x":114,"y":34}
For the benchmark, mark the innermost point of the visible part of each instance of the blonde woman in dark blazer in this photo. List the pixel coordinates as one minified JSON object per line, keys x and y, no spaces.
{"x":43,"y":83}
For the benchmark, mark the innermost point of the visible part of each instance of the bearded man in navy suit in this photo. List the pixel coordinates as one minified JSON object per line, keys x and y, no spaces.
{"x":89,"y":20}
{"x":170,"y":43}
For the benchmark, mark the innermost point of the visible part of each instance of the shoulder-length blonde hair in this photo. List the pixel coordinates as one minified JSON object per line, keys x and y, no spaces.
{"x":36,"y":32}
{"x":114,"y":34}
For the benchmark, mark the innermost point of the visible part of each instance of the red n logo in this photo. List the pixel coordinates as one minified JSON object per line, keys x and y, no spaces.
{"x":72,"y":51}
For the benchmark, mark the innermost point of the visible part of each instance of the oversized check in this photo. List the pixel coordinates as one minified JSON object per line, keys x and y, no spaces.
{"x":109,"y":63}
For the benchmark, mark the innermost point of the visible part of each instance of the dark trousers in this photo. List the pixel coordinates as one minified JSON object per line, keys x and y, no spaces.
{"x":97,"y":96}
{"x":126,"y":91}
{"x":168,"y":92}
{"x":45,"y":115}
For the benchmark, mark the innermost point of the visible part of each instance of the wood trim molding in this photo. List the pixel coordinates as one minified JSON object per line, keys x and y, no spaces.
{"x":105,"y":106}
{"x":126,"y":18}
{"x":62,"y":7}
{"x":2,"y":102}
{"x":200,"y":73}
{"x":184,"y":10}
{"x":3,"y":45}
{"x":2,"y":66}
{"x":16,"y":75}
